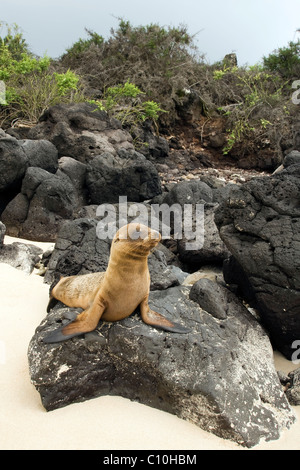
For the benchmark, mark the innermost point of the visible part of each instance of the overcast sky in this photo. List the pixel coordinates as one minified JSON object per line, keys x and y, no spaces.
{"x":250,"y":28}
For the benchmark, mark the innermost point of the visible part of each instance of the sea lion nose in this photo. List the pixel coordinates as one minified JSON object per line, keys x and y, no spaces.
{"x":154,"y":235}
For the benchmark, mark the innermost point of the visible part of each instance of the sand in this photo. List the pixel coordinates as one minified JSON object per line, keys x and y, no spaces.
{"x":105,"y":423}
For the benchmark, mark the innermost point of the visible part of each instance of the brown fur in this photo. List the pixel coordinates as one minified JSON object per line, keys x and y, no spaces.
{"x":114,"y":294}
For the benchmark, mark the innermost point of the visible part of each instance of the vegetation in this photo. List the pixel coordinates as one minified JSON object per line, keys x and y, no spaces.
{"x":147,"y":73}
{"x":258,"y":96}
{"x":159,"y":61}
{"x":31,"y":84}
{"x":82,"y":45}
{"x":14,"y":40}
{"x":123,"y":103}
{"x":285,"y":61}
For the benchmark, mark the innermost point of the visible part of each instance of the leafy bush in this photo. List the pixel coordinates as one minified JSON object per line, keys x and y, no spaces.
{"x":14,"y":40}
{"x":31,"y":84}
{"x":123,"y":103}
{"x":160,"y":61}
{"x":285,"y":60}
{"x":259,"y":99}
{"x":83,"y":44}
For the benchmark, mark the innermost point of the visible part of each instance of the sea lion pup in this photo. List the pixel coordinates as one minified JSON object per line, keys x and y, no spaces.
{"x":114,"y":294}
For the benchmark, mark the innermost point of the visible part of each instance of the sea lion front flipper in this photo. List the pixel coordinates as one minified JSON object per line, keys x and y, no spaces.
{"x":58,"y":336}
{"x":84,"y":323}
{"x":159,"y":321}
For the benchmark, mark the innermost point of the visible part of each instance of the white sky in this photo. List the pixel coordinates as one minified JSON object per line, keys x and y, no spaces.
{"x":251,"y":28}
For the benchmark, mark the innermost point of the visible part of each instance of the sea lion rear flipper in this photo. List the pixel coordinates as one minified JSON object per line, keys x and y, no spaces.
{"x":159,"y":321}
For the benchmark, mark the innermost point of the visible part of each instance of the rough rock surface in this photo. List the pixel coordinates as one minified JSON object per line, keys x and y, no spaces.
{"x":81,"y":131}
{"x":209,"y":246}
{"x":19,"y":255}
{"x":45,"y":200}
{"x":260,"y":225}
{"x":128,"y":173}
{"x":293,"y":392}
{"x":17,"y":155}
{"x":220,"y":376}
{"x":97,"y":164}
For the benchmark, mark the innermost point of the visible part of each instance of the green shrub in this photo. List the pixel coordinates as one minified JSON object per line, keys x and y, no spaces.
{"x":160,"y":61}
{"x":123,"y":103}
{"x":258,"y":93}
{"x":14,"y":40}
{"x":83,"y":44}
{"x":31,"y":84}
{"x":37,"y":92}
{"x":285,"y":60}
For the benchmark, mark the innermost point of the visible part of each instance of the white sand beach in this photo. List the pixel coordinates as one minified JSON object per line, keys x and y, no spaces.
{"x":103,"y":423}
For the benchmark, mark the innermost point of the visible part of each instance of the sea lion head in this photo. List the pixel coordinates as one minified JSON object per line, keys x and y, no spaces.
{"x":136,"y":238}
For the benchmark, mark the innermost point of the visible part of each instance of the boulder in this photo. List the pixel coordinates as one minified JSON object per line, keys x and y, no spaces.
{"x":76,"y":172}
{"x":260,"y":225}
{"x":189,"y":105}
{"x":153,"y":146}
{"x":45,"y":200}
{"x":230,"y":60}
{"x":13,"y":163}
{"x":97,"y":164}
{"x":209,"y":248}
{"x":292,"y":158}
{"x":17,"y":155}
{"x":41,"y":154}
{"x":81,"y":131}
{"x":21,"y":256}
{"x":162,"y":276}
{"x":293,"y":391}
{"x":189,"y":192}
{"x":220,"y":376}
{"x":128,"y":173}
{"x":78,"y":250}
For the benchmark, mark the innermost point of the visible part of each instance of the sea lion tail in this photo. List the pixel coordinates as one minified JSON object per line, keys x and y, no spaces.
{"x":162,"y":323}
